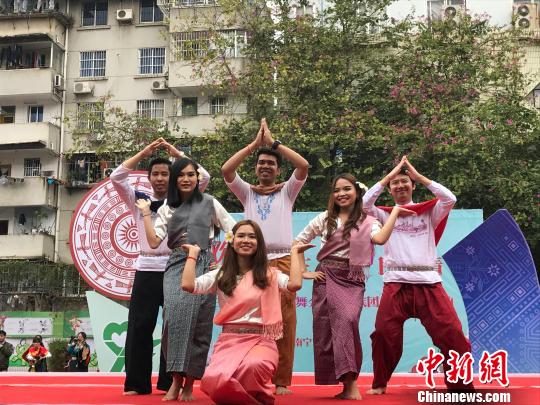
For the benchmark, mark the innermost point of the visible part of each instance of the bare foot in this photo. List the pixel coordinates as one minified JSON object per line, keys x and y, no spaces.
{"x":130,"y":393}
{"x":350,"y":391}
{"x":281,"y":390}
{"x":187,"y":392}
{"x":340,"y":395}
{"x":376,"y":391}
{"x":187,"y":395}
{"x":174,"y":391}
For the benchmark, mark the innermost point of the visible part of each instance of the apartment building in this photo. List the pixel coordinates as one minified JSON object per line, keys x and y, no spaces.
{"x":58,"y":57}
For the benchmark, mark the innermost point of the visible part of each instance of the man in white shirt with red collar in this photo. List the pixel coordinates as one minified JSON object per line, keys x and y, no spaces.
{"x":412,"y":285}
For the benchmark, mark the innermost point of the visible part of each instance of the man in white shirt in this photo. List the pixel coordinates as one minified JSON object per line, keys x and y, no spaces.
{"x":412,"y":284}
{"x":147,"y":292}
{"x":270,"y":205}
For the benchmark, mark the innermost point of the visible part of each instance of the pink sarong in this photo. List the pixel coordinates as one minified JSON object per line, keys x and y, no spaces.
{"x":241,"y":369}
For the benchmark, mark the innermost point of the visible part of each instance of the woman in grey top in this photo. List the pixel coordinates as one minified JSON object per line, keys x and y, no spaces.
{"x":188,"y":216}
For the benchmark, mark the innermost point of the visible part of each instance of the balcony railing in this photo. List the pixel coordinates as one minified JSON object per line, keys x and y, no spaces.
{"x":84,"y":173}
{"x":31,"y":6}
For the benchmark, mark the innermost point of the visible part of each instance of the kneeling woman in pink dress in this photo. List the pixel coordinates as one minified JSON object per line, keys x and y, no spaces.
{"x":245,"y":355}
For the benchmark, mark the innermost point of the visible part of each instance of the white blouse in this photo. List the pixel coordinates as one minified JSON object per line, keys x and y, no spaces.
{"x":220,"y":218}
{"x":207,"y":284}
{"x":317,"y":227}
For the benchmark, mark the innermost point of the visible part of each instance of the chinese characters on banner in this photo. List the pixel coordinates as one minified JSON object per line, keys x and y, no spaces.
{"x":491,"y":367}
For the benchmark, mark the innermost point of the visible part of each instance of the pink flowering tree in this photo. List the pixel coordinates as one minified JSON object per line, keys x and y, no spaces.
{"x":352,"y":90}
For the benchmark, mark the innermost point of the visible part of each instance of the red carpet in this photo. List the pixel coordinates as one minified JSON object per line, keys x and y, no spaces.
{"x":106,"y":389}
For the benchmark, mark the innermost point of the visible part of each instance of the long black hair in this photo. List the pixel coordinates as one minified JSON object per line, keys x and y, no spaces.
{"x":174,"y":199}
{"x":357,"y":214}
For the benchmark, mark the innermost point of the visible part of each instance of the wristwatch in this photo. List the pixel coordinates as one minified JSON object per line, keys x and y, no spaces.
{"x":276,"y":144}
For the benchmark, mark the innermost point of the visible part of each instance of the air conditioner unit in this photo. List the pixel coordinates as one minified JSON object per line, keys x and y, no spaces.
{"x":107,"y":172}
{"x":83,"y":88}
{"x":452,"y":12}
{"x":526,"y":16}
{"x":47,"y":173}
{"x":159,"y":85}
{"x":58,"y":82}
{"x":124,"y":15}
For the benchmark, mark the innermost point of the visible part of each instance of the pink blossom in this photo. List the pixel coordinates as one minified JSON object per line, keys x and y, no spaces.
{"x":509,"y":121}
{"x":482,"y":139}
{"x":490,"y":125}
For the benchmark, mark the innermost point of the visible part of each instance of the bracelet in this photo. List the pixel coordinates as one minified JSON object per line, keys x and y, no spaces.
{"x":191,"y":257}
{"x":145,"y":215}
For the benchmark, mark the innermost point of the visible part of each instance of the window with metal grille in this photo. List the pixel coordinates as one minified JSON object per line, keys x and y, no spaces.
{"x":90,"y":116}
{"x":93,"y":63}
{"x":32,"y":167}
{"x":151,"y":60}
{"x":218,"y":105}
{"x":94,"y":13}
{"x":151,"y":108}
{"x":189,"y":45}
{"x":35,"y":113}
{"x":437,"y":8}
{"x":235,"y":42}
{"x":150,"y":12}
{"x":189,"y":106}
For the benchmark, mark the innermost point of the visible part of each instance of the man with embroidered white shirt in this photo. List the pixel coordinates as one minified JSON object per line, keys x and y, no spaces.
{"x":147,"y":291}
{"x":412,"y":284}
{"x":271,"y":205}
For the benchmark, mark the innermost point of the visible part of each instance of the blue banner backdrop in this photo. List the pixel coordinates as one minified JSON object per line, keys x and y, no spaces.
{"x":416,"y":340}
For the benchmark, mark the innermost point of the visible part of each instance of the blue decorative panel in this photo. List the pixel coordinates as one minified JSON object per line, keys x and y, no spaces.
{"x":495,"y":272}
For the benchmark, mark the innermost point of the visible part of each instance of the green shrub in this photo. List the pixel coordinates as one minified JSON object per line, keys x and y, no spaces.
{"x":57,"y":347}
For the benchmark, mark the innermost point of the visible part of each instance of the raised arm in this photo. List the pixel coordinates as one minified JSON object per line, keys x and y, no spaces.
{"x":144,"y":206}
{"x":384,"y":234}
{"x":187,"y":283}
{"x":301,"y":165}
{"x":447,"y":199}
{"x":298,"y":266}
{"x":228,"y":170}
{"x":178,"y":154}
{"x":147,"y":152}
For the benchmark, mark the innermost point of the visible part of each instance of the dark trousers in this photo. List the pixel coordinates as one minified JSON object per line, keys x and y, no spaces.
{"x":146,"y":298}
{"x":430,"y":304}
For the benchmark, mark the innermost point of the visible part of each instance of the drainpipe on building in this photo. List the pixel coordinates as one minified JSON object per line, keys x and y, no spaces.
{"x":60,"y":164}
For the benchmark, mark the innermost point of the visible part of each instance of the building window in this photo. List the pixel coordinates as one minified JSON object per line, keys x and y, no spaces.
{"x":4,"y":224}
{"x":218,"y":105}
{"x":151,"y":60}
{"x":94,"y":13}
{"x":93,"y":63}
{"x":235,"y":43}
{"x":35,"y":113}
{"x":189,"y":45}
{"x":150,"y":11}
{"x":90,"y":116}
{"x":437,"y":8}
{"x":151,"y":108}
{"x":7,"y":114}
{"x":32,"y":167}
{"x":189,"y":106}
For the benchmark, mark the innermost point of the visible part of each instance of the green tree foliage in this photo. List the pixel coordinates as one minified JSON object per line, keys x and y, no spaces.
{"x":353,"y":91}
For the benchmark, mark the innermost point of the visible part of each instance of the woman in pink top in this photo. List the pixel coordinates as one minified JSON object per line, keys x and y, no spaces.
{"x":347,"y":239}
{"x":245,"y":355}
